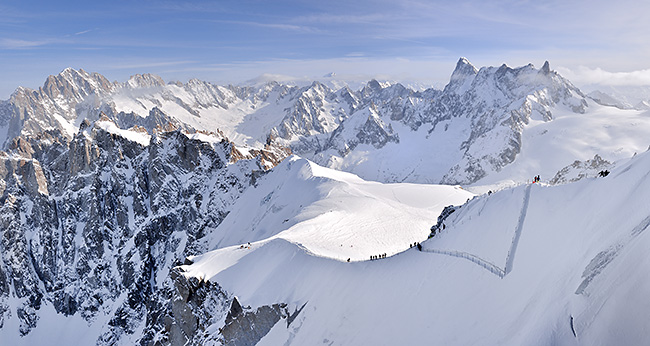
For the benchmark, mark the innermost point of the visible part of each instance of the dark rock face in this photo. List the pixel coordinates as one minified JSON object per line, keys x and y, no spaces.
{"x":203,"y":313}
{"x":248,"y":327}
{"x":93,"y":226}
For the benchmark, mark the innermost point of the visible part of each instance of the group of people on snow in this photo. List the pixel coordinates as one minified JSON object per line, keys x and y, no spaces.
{"x":416,"y":244}
{"x":536,"y":179}
{"x":377,"y":256}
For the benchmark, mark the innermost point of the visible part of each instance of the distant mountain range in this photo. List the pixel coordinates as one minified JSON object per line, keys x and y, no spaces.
{"x":471,"y":129}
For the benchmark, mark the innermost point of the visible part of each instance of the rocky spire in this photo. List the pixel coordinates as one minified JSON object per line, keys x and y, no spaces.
{"x":546,"y":68}
{"x":462,"y":76}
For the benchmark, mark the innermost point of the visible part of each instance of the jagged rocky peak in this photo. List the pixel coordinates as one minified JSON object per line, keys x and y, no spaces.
{"x":75,"y":84}
{"x":372,"y":88}
{"x":462,"y":77}
{"x":146,"y":80}
{"x":546,"y":69}
{"x":316,"y":90}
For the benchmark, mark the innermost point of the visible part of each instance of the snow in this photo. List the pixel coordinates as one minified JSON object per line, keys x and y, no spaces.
{"x":142,"y":138}
{"x":547,"y":147}
{"x":410,"y":160}
{"x":419,"y":297}
{"x":71,"y":330}
{"x":67,"y":126}
{"x":244,"y":121}
{"x":316,"y":207}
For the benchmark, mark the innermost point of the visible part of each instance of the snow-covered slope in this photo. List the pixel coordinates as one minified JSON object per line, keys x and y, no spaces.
{"x":574,"y":268}
{"x":334,"y":214}
{"x":548,"y":147}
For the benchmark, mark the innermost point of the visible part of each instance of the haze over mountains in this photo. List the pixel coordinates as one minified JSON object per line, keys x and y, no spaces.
{"x":158,"y":213}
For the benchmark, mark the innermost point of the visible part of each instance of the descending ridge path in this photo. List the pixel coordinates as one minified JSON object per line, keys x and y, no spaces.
{"x":510,"y":259}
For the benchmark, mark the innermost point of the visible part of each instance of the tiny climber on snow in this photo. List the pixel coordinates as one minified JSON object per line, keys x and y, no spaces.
{"x":419,"y":247}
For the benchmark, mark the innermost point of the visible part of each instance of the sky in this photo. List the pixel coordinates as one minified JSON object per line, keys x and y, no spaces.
{"x":589,"y":42}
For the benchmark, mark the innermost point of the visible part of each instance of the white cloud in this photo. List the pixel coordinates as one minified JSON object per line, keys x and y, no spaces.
{"x":10,"y":43}
{"x":281,"y":26}
{"x":596,"y":76}
{"x":83,"y":32}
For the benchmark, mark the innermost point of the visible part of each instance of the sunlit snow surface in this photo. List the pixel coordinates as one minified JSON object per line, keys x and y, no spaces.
{"x":548,"y":147}
{"x":581,"y":256}
{"x":334,"y":214}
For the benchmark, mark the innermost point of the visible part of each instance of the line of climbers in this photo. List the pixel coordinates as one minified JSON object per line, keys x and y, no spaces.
{"x":416,"y":244}
{"x":377,"y":256}
{"x":536,"y":179}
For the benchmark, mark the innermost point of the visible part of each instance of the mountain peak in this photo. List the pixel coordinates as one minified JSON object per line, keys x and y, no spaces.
{"x":145,"y":80}
{"x":462,"y":76}
{"x":546,"y":69}
{"x":68,"y":70}
{"x":464,"y":67}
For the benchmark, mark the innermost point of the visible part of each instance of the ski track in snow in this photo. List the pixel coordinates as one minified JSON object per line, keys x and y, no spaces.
{"x":510,"y":259}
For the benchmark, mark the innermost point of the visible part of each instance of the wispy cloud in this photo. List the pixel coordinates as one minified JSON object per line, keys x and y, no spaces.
{"x":281,"y":26}
{"x":83,"y":32}
{"x":10,"y":43}
{"x":328,"y":18}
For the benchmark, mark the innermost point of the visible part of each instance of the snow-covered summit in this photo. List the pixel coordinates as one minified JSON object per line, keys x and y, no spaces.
{"x":462,"y":77}
{"x":146,"y":80}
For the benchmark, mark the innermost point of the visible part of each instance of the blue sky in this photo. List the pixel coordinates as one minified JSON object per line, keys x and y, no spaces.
{"x":233,"y":41}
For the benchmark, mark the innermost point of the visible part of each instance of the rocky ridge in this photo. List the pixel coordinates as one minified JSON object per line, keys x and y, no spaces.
{"x":488,"y":107}
{"x":92,"y":225}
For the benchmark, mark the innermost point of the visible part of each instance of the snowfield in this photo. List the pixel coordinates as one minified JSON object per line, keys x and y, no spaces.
{"x":579,"y":267}
{"x":334,"y":214}
{"x":547,"y":147}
